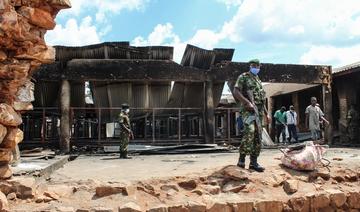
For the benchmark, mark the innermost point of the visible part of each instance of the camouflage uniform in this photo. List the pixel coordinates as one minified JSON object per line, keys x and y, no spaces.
{"x":251,"y":140}
{"x":124,"y":121}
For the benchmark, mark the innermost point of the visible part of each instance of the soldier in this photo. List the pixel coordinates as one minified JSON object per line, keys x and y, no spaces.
{"x":249,"y":91}
{"x":125,"y":131}
{"x":353,"y":123}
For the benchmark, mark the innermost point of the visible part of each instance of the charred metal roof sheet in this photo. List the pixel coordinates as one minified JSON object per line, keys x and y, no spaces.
{"x":107,"y":94}
{"x":191,"y":94}
{"x":340,"y":71}
{"x":203,"y":59}
{"x":114,"y":50}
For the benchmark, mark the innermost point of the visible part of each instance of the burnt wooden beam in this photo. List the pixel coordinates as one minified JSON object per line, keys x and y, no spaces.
{"x":279,"y":73}
{"x":120,"y":70}
{"x":167,"y":70}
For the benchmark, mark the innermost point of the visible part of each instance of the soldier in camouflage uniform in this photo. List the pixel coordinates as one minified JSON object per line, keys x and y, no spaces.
{"x":249,"y":91}
{"x":125,"y":130}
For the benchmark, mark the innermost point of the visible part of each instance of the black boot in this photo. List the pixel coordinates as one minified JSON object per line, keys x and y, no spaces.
{"x":254,"y":165}
{"x":241,"y":162}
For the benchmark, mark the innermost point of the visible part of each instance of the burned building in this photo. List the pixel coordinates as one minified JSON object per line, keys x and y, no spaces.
{"x":171,"y":103}
{"x":346,"y":93}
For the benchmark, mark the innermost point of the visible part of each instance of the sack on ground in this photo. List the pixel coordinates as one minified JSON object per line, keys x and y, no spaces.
{"x":305,"y":159}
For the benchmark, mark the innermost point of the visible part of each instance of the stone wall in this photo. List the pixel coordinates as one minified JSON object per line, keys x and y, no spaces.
{"x":23,"y":24}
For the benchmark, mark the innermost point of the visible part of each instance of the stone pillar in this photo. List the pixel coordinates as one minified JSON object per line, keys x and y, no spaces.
{"x":209,"y":113}
{"x":295,"y":103}
{"x":65,"y":117}
{"x":327,"y":95}
{"x":22,"y":50}
{"x":326,"y":78}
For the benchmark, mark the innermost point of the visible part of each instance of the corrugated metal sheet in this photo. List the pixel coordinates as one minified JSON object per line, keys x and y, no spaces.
{"x":223,"y":55}
{"x":77,"y":94}
{"x":177,"y":95}
{"x":197,"y":57}
{"x":97,"y":51}
{"x":114,"y":50}
{"x":115,"y":94}
{"x":46,"y":94}
{"x":159,"y":94}
{"x":139,"y":98}
{"x":158,"y":52}
{"x":191,"y":94}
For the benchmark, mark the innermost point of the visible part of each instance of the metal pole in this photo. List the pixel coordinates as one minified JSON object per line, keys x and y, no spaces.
{"x":179,"y":123}
{"x":153,"y":126}
{"x":72,"y":123}
{"x":228,"y":124}
{"x":43,"y":127}
{"x":99,"y":125}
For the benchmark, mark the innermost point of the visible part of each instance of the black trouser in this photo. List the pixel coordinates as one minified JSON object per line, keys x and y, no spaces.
{"x":280,"y":130}
{"x":292,"y":132}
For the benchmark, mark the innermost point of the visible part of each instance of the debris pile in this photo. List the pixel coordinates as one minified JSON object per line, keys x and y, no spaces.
{"x":23,"y":25}
{"x":228,"y":189}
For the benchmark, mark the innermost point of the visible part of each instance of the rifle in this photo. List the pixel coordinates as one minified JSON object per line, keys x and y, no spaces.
{"x":128,"y":130}
{"x":256,"y":113}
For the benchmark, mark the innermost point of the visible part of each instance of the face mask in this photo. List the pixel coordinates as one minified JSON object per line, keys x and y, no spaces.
{"x":127,"y":111}
{"x":254,"y":71}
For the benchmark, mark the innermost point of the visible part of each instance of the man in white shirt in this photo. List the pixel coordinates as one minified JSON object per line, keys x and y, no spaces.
{"x":291,"y":122}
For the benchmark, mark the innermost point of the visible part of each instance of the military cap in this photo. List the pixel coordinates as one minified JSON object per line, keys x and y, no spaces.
{"x":125,"y":106}
{"x":255,"y":61}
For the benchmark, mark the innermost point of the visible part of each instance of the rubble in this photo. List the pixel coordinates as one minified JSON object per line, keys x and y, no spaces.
{"x":211,"y":189}
{"x":177,"y":208}
{"x":319,"y":173}
{"x":337,"y":198}
{"x":158,"y":208}
{"x":226,"y":194}
{"x":188,"y":185}
{"x":3,"y":202}
{"x":65,"y":209}
{"x":233,"y":186}
{"x":301,"y":204}
{"x":102,"y":191}
{"x":3,"y":132}
{"x":130,"y":207}
{"x":320,"y":201}
{"x":102,"y":209}
{"x":196,"y":206}
{"x":291,"y":186}
{"x":234,"y":173}
{"x":266,"y":206}
{"x":353,"y":200}
{"x":219,"y":206}
{"x":243,"y":207}
{"x":11,"y":196}
{"x":5,"y":172}
{"x":169,"y":187}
